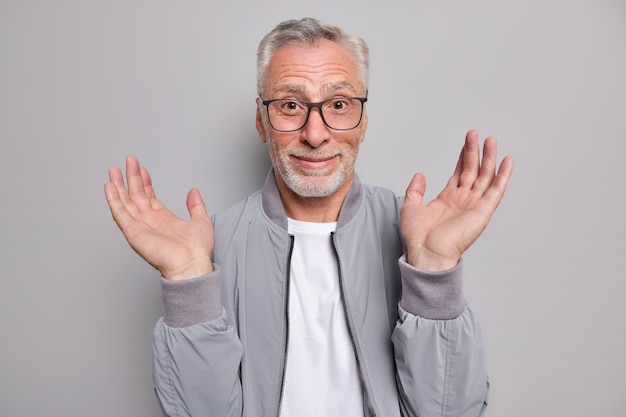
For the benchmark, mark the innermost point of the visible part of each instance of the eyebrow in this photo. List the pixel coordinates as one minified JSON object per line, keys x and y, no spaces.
{"x":290,"y":88}
{"x":330,"y":87}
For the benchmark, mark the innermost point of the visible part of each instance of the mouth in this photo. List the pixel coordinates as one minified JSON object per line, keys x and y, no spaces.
{"x":315,"y":163}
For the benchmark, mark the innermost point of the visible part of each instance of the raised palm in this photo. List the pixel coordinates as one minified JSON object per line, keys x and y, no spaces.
{"x":438,"y":233}
{"x":178,"y":248}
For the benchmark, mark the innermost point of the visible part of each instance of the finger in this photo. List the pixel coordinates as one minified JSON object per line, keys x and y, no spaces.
{"x":496,"y":190}
{"x":454,"y":180}
{"x":118,"y":208}
{"x":488,"y":166}
{"x":115,"y":176}
{"x":111,"y":194}
{"x":195,"y":205}
{"x":117,"y":180}
{"x":149,"y":190}
{"x":136,"y":188}
{"x":471,"y":160}
{"x":147,"y":183}
{"x":415,"y":191}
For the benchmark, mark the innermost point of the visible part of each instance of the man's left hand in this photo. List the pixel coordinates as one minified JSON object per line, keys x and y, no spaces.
{"x":438,"y":233}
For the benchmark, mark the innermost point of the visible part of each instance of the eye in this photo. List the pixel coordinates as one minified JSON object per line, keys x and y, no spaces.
{"x":339,"y":105}
{"x":290,"y":105}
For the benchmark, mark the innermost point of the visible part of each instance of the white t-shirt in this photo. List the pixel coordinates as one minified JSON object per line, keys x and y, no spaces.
{"x":321,"y":375}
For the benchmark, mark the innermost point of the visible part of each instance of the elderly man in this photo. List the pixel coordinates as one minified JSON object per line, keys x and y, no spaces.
{"x":317,"y":295}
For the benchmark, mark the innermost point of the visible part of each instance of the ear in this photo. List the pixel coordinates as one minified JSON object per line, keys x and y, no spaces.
{"x":363,"y":127}
{"x":260,"y":128}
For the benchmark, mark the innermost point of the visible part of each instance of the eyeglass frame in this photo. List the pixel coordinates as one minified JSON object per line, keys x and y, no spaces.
{"x":317,"y":105}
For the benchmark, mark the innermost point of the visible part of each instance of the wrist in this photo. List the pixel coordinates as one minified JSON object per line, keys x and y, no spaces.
{"x":192,"y":270}
{"x":428,"y":261}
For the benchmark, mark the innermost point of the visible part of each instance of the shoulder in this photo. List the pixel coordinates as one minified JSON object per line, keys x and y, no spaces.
{"x":242,"y":210}
{"x":381,"y":198}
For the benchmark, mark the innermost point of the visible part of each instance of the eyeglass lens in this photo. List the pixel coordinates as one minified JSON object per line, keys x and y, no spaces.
{"x":341,"y":113}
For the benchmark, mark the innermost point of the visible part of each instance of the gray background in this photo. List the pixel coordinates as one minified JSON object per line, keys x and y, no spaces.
{"x":84,"y":83}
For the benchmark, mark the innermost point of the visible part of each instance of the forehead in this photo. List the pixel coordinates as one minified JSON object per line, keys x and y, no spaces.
{"x":316,"y":69}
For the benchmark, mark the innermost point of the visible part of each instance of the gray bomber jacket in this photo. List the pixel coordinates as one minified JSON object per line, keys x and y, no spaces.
{"x":220,"y":348}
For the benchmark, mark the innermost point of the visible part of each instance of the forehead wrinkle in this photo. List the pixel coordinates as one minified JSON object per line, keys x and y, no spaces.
{"x":326,"y":88}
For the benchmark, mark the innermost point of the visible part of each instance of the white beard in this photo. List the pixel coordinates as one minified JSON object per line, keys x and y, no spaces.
{"x":311,"y":183}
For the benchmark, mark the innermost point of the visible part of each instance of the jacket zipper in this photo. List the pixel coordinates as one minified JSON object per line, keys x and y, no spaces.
{"x":344,"y":304}
{"x":357,"y":355}
{"x":286,"y":313}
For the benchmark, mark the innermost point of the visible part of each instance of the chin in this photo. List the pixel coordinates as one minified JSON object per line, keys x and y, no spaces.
{"x":314,"y":185}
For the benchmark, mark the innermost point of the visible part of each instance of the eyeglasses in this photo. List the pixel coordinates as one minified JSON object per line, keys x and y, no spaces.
{"x":339,"y":113}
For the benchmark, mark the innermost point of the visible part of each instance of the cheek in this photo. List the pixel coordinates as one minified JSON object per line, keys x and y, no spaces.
{"x":355,"y":141}
{"x":280,"y":142}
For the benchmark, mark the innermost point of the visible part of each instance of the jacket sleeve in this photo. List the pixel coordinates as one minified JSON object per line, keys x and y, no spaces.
{"x":196,"y":353}
{"x":439,"y":354}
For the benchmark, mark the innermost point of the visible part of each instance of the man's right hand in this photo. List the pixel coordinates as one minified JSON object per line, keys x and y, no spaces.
{"x":179,"y":249}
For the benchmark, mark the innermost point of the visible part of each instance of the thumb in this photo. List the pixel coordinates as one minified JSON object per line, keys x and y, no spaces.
{"x":195,"y":204}
{"x":416,"y":189}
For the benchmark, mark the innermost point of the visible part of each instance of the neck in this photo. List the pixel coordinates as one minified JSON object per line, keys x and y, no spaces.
{"x":313,"y":209}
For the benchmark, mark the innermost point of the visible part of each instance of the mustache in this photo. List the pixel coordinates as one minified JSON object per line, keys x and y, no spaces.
{"x":318,"y":154}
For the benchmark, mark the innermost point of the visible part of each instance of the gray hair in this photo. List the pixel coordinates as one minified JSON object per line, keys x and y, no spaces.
{"x":308,"y":31}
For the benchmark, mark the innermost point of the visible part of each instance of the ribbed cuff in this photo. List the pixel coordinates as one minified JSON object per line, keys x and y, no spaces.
{"x":432,"y":295}
{"x":192,"y":301}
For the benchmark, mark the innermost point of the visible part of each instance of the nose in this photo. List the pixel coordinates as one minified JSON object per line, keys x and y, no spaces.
{"x":315,"y":132}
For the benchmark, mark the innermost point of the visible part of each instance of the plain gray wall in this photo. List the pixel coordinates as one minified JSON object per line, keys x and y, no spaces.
{"x":84,"y":83}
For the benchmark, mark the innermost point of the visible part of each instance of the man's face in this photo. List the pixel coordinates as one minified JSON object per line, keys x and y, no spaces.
{"x":316,"y":160}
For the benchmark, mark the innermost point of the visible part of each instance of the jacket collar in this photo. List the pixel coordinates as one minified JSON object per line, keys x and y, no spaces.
{"x":273,"y":205}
